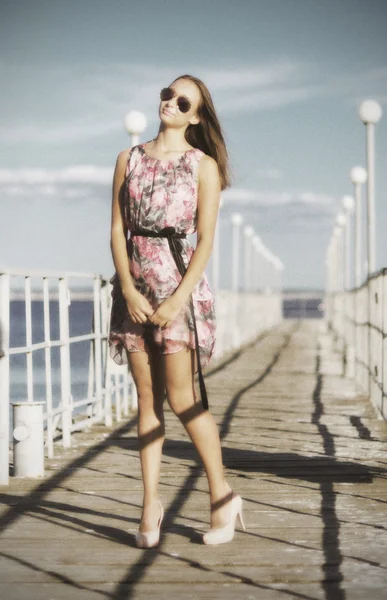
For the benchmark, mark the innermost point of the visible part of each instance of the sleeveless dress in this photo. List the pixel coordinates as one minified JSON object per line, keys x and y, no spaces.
{"x":160,"y":193}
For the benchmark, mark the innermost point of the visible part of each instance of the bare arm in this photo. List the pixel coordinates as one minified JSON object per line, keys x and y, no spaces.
{"x":138,"y":305}
{"x":208,"y":206}
{"x":118,"y":229}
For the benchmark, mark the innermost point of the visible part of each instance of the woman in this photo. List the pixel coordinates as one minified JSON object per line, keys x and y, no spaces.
{"x":163,"y":310}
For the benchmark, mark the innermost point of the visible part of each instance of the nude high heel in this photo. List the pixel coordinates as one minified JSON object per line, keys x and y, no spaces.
{"x":149,"y":539}
{"x":221,"y":535}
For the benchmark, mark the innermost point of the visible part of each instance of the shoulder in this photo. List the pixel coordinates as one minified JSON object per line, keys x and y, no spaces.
{"x":208,"y":167}
{"x":123,"y":159}
{"x":123,"y":156}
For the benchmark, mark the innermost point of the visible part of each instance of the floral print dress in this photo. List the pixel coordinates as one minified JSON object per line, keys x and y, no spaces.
{"x":161,"y":193}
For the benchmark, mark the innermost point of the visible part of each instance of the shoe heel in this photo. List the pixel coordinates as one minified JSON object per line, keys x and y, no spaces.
{"x":150,"y":539}
{"x":240,"y":517}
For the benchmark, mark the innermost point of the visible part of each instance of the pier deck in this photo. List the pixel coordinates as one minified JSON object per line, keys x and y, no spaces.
{"x":306,"y":451}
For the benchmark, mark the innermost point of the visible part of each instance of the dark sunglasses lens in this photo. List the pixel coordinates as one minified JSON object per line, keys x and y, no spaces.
{"x":166,"y":94}
{"x":184,"y":105}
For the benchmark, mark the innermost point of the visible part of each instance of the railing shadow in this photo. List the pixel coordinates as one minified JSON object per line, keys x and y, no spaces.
{"x":325,"y":471}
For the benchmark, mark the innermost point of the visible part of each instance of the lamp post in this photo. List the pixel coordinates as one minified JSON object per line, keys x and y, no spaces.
{"x":236,"y":221}
{"x":259,"y":267}
{"x":348,"y":205}
{"x":329,"y":260}
{"x":248,"y":233}
{"x":370,"y":113}
{"x":358,"y":177}
{"x":135,"y":122}
{"x":341,"y":221}
{"x":334,"y":271}
{"x":271,"y":259}
{"x":279,"y":267}
{"x":338,"y":258}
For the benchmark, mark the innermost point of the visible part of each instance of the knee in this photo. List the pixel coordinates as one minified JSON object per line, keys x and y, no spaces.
{"x":180,"y":401}
{"x":150,"y":402}
{"x":145,"y":396}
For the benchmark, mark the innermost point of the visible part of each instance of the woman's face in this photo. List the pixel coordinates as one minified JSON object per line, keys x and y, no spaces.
{"x":169,"y":112}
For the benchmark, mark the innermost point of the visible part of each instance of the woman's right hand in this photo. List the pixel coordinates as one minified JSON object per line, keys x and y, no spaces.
{"x":138,"y":306}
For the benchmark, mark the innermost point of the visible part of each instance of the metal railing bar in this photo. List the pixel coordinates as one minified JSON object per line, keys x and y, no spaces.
{"x":84,"y":402}
{"x":358,"y":320}
{"x":65,"y":361}
{"x":77,"y":425}
{"x":47,"y":273}
{"x":107,"y":385}
{"x":48,"y":368}
{"x":97,"y":346}
{"x":90,"y":379}
{"x":4,"y":377}
{"x":28,"y":320}
{"x":51,"y":344}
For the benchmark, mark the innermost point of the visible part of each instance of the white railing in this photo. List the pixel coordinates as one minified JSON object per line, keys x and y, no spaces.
{"x":240,"y":317}
{"x":358,"y":320}
{"x":108,"y":387}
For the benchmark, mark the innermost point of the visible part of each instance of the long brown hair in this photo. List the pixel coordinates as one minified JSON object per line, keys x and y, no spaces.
{"x":207,"y":135}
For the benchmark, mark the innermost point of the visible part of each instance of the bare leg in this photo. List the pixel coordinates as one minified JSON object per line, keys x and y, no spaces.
{"x":147,"y":371}
{"x":201,"y":427}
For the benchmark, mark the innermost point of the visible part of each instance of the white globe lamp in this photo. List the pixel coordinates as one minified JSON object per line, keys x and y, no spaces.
{"x":370,"y":111}
{"x":135,"y":123}
{"x":358,"y":175}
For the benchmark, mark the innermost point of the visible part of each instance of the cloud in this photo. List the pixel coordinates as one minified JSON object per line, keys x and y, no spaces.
{"x":284,"y":213}
{"x":85,"y":182}
{"x":73,"y":174}
{"x":248,"y":197}
{"x":268,"y":174}
{"x":67,"y":184}
{"x":93,"y":99}
{"x":266,"y":99}
{"x":264,"y":75}
{"x":69,"y":130}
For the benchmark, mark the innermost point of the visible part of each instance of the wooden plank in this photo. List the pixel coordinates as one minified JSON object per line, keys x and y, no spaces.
{"x":301,"y":445}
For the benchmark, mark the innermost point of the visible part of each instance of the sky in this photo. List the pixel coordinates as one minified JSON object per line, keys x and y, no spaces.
{"x":286,"y":77}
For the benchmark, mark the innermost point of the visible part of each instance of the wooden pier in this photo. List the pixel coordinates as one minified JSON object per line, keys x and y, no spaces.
{"x":306,"y":451}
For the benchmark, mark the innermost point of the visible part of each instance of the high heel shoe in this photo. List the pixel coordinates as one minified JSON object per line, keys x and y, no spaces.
{"x":221,"y":535}
{"x":149,"y":539}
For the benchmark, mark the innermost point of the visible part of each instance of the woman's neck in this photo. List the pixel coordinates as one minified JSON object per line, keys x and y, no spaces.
{"x":170,"y":141}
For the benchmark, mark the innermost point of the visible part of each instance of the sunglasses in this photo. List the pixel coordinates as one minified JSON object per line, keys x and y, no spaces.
{"x":183,"y":103}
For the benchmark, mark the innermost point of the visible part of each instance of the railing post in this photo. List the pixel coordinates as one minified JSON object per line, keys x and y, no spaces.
{"x":357,"y":336}
{"x":66,"y":400}
{"x":106,"y":312}
{"x":47,"y":356}
{"x":97,"y":346}
{"x":364,"y":348}
{"x":125,"y":399}
{"x":30,"y":385}
{"x":376,"y":341}
{"x":133,"y":394}
{"x":384,"y":352}
{"x":349,"y":334}
{"x":117,"y":388}
{"x":108,"y":394}
{"x":4,"y":377}
{"x":90,"y":381}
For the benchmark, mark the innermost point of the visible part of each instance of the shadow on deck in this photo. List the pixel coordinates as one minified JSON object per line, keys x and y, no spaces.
{"x":301,"y":445}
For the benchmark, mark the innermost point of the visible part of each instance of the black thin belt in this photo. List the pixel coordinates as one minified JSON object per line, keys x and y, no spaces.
{"x":176,"y":249}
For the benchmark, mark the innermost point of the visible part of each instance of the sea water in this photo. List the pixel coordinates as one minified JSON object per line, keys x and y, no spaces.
{"x":80,"y":323}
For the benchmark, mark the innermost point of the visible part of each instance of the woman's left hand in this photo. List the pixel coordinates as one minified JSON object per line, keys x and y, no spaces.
{"x":165,"y":312}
